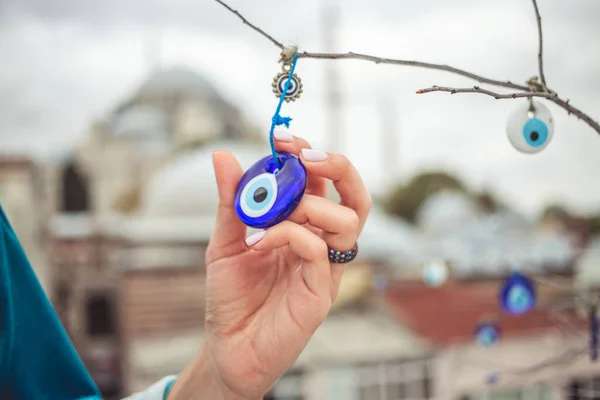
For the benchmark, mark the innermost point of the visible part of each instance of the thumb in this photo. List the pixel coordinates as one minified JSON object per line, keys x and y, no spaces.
{"x":229,"y":232}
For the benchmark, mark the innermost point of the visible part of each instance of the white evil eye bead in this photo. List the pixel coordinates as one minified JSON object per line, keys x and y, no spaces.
{"x":530,"y":129}
{"x":259,"y":195}
{"x":435,"y":273}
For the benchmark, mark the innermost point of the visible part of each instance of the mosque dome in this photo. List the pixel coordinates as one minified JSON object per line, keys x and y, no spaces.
{"x":187,"y":187}
{"x":509,"y":219}
{"x":175,"y":81}
{"x":388,"y":237}
{"x":446,"y":210}
{"x":140,"y":121}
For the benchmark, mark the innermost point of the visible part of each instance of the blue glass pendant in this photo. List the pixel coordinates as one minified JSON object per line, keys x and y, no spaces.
{"x":517,"y":294}
{"x":491,"y":378}
{"x":266,"y":194}
{"x":487,"y":334}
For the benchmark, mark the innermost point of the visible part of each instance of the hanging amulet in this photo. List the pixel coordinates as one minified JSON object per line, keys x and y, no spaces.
{"x":294,"y":90}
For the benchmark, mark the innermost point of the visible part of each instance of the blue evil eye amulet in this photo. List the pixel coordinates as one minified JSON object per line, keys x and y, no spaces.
{"x":267,"y":193}
{"x":517,"y":294}
{"x":487,"y":333}
{"x":492,"y":378}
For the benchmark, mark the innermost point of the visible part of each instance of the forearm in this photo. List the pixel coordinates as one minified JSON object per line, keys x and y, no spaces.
{"x":200,"y":381}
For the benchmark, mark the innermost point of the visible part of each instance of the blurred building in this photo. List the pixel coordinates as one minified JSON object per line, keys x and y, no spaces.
{"x":125,"y":260}
{"x":20,"y":184}
{"x":117,"y":228}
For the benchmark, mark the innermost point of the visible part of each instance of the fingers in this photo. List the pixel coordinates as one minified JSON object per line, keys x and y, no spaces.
{"x":229,"y":232}
{"x":345,"y":177}
{"x":335,"y":167}
{"x":340,"y":224}
{"x":306,"y":245}
{"x":284,"y":141}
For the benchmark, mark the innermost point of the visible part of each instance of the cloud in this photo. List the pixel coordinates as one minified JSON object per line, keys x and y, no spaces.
{"x":68,"y":62}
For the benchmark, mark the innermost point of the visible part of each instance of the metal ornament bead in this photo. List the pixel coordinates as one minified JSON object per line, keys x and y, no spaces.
{"x":342,"y":257}
{"x":294,"y":90}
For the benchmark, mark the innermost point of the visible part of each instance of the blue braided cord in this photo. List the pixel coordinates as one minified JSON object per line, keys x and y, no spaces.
{"x":278,"y":119}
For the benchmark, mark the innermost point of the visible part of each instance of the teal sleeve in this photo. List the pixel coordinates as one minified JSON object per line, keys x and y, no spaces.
{"x":168,"y":387}
{"x":37,"y":359}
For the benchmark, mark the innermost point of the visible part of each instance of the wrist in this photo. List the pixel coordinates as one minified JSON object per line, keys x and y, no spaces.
{"x":200,"y":380}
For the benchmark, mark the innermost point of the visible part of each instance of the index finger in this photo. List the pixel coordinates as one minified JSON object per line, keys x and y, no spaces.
{"x":284,"y":141}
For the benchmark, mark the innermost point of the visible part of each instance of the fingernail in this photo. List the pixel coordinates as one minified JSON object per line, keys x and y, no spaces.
{"x":255,"y":238}
{"x":283,"y":136}
{"x":314,"y":155}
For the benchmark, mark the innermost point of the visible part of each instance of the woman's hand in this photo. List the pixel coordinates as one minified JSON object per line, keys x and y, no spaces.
{"x":268,"y":293}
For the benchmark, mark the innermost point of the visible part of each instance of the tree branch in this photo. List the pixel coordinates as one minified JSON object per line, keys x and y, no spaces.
{"x":565,"y":357}
{"x":553,"y":97}
{"x":477,"y":89}
{"x":256,"y":28}
{"x":532,"y":89}
{"x":538,"y":18}
{"x":419,"y":64}
{"x":379,"y":60}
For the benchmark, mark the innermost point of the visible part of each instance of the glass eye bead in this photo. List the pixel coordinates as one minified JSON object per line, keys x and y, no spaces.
{"x":487,"y":334}
{"x":268,"y":194}
{"x":517,"y":295}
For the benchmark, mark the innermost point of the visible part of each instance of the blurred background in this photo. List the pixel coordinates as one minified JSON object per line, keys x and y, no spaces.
{"x":109,"y":114}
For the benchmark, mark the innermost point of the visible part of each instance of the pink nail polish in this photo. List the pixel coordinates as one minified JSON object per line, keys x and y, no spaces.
{"x":255,"y":238}
{"x":283,"y":136}
{"x":314,"y":155}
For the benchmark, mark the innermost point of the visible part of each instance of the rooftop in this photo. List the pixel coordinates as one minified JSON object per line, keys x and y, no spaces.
{"x":447,"y":315}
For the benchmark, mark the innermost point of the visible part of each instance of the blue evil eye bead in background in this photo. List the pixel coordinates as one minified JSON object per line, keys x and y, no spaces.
{"x":517,"y":294}
{"x":435,"y":273}
{"x":530,"y":127}
{"x":266,"y":194}
{"x":487,"y":334}
{"x":492,"y":378}
{"x":380,"y":282}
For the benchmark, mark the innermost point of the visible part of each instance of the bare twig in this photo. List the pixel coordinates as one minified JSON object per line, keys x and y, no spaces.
{"x":567,"y":356}
{"x":419,"y":64}
{"x":379,"y":60}
{"x":563,"y":323}
{"x":533,"y":88}
{"x":477,"y":89}
{"x":550,"y":283}
{"x":561,"y":360}
{"x":538,"y":18}
{"x":553,"y":97}
{"x":256,"y":28}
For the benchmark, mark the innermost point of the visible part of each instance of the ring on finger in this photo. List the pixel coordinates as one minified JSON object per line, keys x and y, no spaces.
{"x":342,"y":257}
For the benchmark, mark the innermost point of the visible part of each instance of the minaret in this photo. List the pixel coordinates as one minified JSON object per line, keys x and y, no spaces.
{"x":388,"y":124}
{"x":330,"y":13}
{"x":153,"y":50}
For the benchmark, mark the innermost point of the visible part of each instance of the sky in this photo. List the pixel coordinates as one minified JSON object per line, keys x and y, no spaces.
{"x":65,"y":63}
